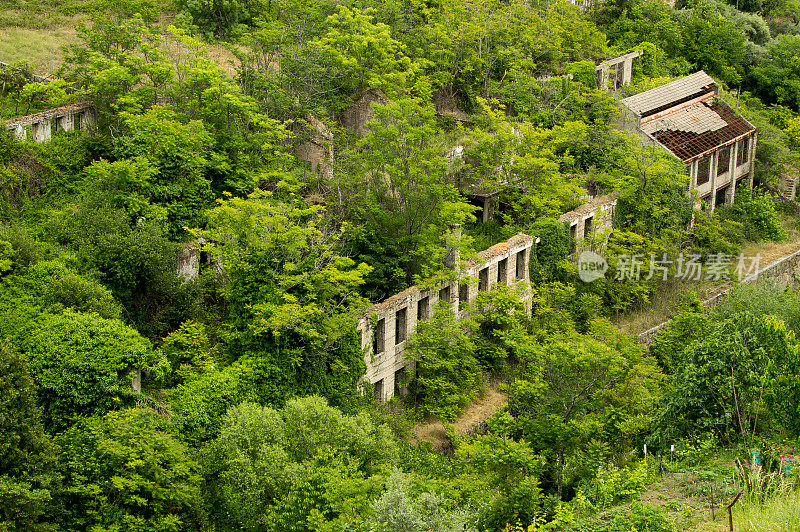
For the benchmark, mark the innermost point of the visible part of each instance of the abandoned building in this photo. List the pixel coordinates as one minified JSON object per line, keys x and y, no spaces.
{"x":360,"y":113}
{"x":616,"y":72}
{"x":594,"y":218}
{"x":41,"y":126}
{"x":316,"y":150}
{"x":687,"y":118}
{"x":386,"y":327}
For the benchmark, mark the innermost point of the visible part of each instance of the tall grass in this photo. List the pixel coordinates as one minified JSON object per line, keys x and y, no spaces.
{"x":770,"y":502}
{"x":779,"y":513}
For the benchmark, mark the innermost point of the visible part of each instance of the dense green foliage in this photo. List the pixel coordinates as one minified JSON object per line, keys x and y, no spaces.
{"x":135,"y":395}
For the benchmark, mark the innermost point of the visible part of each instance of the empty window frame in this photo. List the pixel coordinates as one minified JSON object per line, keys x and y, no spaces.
{"x":379,"y":337}
{"x":379,"y":391}
{"x":520,"y":267}
{"x":743,"y":151}
{"x":502,"y":271}
{"x":400,"y":381}
{"x":423,"y":309}
{"x":587,"y":227}
{"x":444,"y":294}
{"x":483,"y":280}
{"x":463,"y":292}
{"x":703,"y":170}
{"x":721,"y":196}
{"x":400,"y":326}
{"x":573,"y":236}
{"x":723,"y":160}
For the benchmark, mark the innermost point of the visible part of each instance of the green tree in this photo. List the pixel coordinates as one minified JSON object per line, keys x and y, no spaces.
{"x":405,"y":197}
{"x":83,"y":364}
{"x":306,"y":465}
{"x":124,"y":471}
{"x":365,"y":54}
{"x":734,"y":380}
{"x":713,"y":43}
{"x":28,"y":477}
{"x":777,"y":76}
{"x":578,"y":388}
{"x":291,"y":298}
{"x":447,"y":370}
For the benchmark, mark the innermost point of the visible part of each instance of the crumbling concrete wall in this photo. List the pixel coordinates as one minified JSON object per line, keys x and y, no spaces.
{"x":188,"y":268}
{"x":81,"y":116}
{"x":616,"y":72}
{"x":596,"y":217}
{"x":386,"y":327}
{"x":360,"y":113}
{"x":317,"y":150}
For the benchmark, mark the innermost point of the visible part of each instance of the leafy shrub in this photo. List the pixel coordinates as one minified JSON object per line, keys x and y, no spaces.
{"x":125,"y":471}
{"x":643,"y":518}
{"x":447,"y":370}
{"x":757,"y":215}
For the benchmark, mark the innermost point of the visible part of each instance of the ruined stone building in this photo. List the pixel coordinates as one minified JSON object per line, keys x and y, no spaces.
{"x":616,"y":72}
{"x":316,"y":150}
{"x":358,"y":115}
{"x":592,"y":218}
{"x":386,"y":327}
{"x":688,"y":119}
{"x":41,"y":126}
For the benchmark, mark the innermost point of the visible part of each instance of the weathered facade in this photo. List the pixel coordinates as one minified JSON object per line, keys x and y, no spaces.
{"x":687,"y":118}
{"x":360,"y":113}
{"x":188,"y":268}
{"x":592,"y":218}
{"x":317,"y":148}
{"x":616,"y":72}
{"x":77,"y":116}
{"x":386,"y":327}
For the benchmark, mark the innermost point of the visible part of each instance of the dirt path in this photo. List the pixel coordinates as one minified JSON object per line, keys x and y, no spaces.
{"x":477,"y":412}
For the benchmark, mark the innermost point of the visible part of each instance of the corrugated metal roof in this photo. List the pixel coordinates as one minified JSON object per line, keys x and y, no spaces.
{"x":647,"y":101}
{"x":688,"y":142}
{"x":697,"y":118}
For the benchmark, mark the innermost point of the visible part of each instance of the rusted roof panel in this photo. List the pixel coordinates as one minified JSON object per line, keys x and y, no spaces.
{"x":688,"y":140}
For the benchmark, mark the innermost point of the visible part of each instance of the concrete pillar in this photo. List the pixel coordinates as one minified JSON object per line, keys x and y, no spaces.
{"x":21,"y":132}
{"x":87,"y":120}
{"x":627,"y":71}
{"x":41,"y":131}
{"x":751,"y":174}
{"x":603,"y":80}
{"x":713,"y":178}
{"x":136,"y":382}
{"x":732,"y":174}
{"x":67,"y":122}
{"x":452,"y":259}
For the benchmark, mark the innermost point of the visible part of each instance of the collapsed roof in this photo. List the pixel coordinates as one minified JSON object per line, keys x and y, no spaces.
{"x":687,"y":117}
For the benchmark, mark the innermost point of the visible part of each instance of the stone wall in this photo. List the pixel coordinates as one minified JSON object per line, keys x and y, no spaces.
{"x":188,"y":268}
{"x":386,"y":327}
{"x":784,"y":271}
{"x":596,"y":216}
{"x":358,"y":114}
{"x":317,"y":150}
{"x":81,"y":116}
